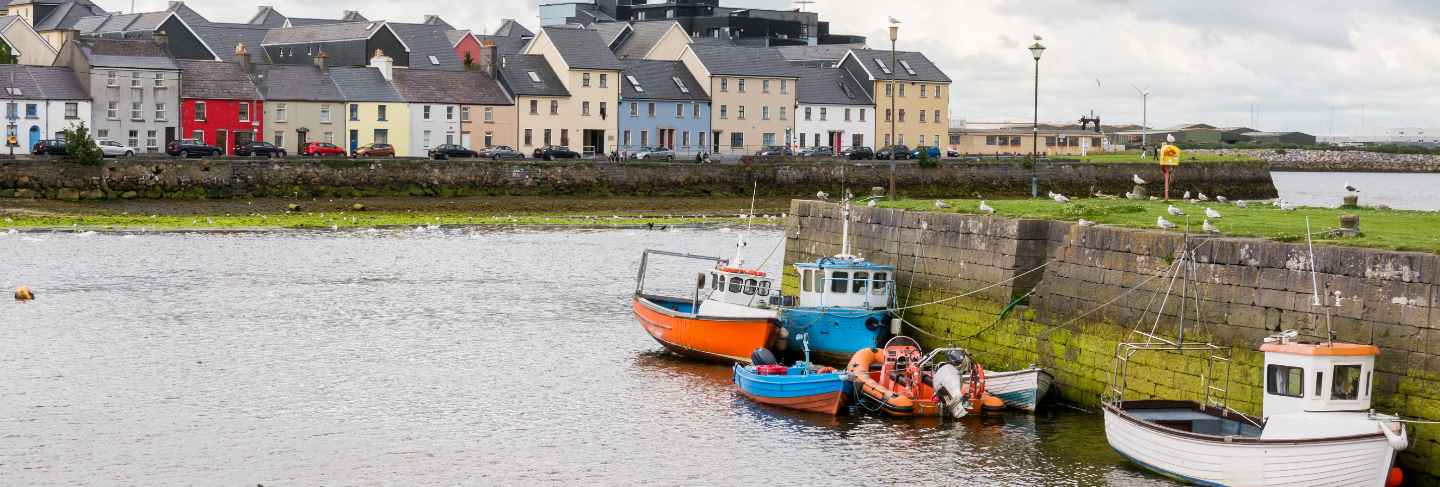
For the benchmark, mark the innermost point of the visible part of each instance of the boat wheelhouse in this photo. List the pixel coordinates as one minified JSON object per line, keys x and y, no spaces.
{"x":725,"y":317}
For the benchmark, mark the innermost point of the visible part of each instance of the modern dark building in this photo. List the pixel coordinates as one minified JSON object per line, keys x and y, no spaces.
{"x":706,"y":19}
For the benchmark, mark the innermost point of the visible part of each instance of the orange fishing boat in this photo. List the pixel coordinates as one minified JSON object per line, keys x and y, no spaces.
{"x":726,"y":317}
{"x":903,"y":383}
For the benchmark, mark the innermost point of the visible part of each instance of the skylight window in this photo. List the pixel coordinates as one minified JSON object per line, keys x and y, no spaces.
{"x":907,"y":67}
{"x":436,"y":61}
{"x":680,"y":84}
{"x":634,"y":83}
{"x":533,"y":77}
{"x":882,"y":65}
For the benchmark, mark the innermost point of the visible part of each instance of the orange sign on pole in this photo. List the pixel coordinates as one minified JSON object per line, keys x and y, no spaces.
{"x":1169,"y":159}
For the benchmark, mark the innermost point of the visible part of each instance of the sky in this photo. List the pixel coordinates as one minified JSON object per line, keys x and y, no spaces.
{"x":1318,"y":66}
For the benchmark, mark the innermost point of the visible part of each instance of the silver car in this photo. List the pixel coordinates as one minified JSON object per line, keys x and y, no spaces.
{"x":655,"y":154}
{"x":112,"y":148}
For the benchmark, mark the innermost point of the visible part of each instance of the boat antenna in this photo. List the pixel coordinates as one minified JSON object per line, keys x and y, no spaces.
{"x":755,"y":190}
{"x":740,"y":243}
{"x":1315,"y":283}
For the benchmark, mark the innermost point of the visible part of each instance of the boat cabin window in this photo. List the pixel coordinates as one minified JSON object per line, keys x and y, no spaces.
{"x":736,"y":284}
{"x":877,"y":285}
{"x":839,"y":281}
{"x":763,"y":289}
{"x":819,"y":280}
{"x":1346,"y":382}
{"x":1319,"y":384}
{"x":716,"y":282}
{"x":749,"y":286}
{"x":805,"y":277}
{"x":858,"y":285}
{"x":1285,"y":381}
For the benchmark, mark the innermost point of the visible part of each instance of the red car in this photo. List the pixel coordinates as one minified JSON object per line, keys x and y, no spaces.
{"x":321,"y":149}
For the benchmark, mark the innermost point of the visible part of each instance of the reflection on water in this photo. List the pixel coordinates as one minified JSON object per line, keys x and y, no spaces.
{"x":429,"y":357}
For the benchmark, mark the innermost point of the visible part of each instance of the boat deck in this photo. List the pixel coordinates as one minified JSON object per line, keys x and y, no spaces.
{"x":1192,"y":420}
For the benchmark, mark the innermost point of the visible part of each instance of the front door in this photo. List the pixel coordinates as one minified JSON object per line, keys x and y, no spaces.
{"x":221,"y":140}
{"x":169,"y":135}
{"x":354,"y":140}
{"x":300,"y":140}
{"x":243,"y":138}
{"x":34,"y":135}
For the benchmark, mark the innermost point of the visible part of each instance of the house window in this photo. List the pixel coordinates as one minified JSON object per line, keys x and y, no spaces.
{"x":111,"y":79}
{"x":529,"y":137}
{"x":489,"y":139}
{"x":159,"y":80}
{"x":902,"y":90}
{"x":329,"y":138}
{"x":625,"y":138}
{"x":694,"y":110}
{"x":449,"y":113}
{"x":354,"y":113}
{"x":584,"y":108}
{"x":464,"y":114}
{"x":382,"y":136}
{"x":101,"y":134}
{"x":134,"y":81}
{"x":737,"y":140}
{"x":822,"y":114}
{"x":425,"y":139}
{"x":31,"y":111}
{"x":489,"y":114}
{"x":902,"y":115}
{"x":325,"y":113}
{"x":112,"y":110}
{"x":724,"y":84}
{"x":134,"y":139}
{"x":922,"y":116}
{"x":198,"y":135}
{"x":546,"y":140}
{"x":150,"y":139}
{"x":425,"y":112}
{"x":889,"y":88}
{"x":554,"y":107}
{"x":72,"y":110}
{"x":534,"y":107}
{"x":847,"y":114}
{"x":1345,"y":383}
{"x":724,"y":112}
{"x":764,"y":86}
{"x":565,"y":137}
{"x":244,"y":112}
{"x":160,"y":112}
{"x":135,"y":111}
{"x":380,"y":113}
{"x":604,"y":80}
{"x":807,"y":114}
{"x":862,"y":114}
{"x":679,"y":110}
{"x":784,"y":86}
{"x":922,"y":91}
{"x":199,"y":111}
{"x":741,"y":85}
{"x":685,"y":139}
{"x":644,"y":138}
{"x":282,"y":112}
{"x":650,"y":109}
{"x":937,"y":116}
{"x":602,"y":110}
{"x":278,"y":139}
{"x":768,"y":139}
{"x":585,"y":80}
{"x":889,"y":115}
{"x":1281,"y":380}
{"x":741,"y":114}
{"x":784,"y":117}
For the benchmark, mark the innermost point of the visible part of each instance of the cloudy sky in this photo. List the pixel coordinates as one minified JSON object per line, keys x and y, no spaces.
{"x":1372,"y":64}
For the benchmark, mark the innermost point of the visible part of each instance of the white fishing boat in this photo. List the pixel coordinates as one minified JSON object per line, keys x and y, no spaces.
{"x":1316,"y":429}
{"x":1020,"y":389}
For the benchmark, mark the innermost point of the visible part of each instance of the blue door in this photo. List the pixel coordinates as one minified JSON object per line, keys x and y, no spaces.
{"x":34,"y":135}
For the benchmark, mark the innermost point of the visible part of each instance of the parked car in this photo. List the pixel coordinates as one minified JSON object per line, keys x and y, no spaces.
{"x":900,"y":152}
{"x":775,"y":151}
{"x":321,"y":149}
{"x":374,"y":150}
{"x":931,"y":152}
{"x":654,"y":154}
{"x":49,"y":147}
{"x":191,"y":147}
{"x":552,"y":152}
{"x":112,"y":148}
{"x":259,"y":149}
{"x":446,"y":151}
{"x":858,"y":153}
{"x":501,"y":152}
{"x":952,"y":153}
{"x":816,"y":151}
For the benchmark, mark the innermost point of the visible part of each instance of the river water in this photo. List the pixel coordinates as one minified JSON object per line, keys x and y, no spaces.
{"x":1401,"y":191}
{"x":428,"y":357}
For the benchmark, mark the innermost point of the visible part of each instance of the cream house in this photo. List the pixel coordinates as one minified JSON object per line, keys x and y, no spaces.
{"x":752,"y":93}
{"x":583,"y":118}
{"x":911,"y":95}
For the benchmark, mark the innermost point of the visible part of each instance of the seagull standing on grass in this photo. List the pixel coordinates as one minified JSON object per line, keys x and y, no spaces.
{"x":1085,"y":223}
{"x":1286,"y":206}
{"x":1186,"y":197}
{"x":871,"y":204}
{"x":1060,"y":198}
{"x":1163,"y":223}
{"x":1209,"y":213}
{"x":986,"y":209}
{"x":1210,"y":229}
{"x":1202,"y":197}
{"x":1241,"y":204}
{"x":1221,"y":199}
{"x":1351,"y":188}
{"x":823,"y":196}
{"x":941,"y":204}
{"x":1170,"y":138}
{"x":1136,"y":178}
{"x":1175,"y":211}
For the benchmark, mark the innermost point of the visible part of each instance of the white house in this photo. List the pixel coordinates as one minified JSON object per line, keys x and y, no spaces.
{"x":41,"y":102}
{"x":833,"y":110}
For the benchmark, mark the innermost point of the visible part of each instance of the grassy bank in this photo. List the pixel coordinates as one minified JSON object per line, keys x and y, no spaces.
{"x":1186,"y":157}
{"x":1386,"y":229}
{"x":380,"y":212}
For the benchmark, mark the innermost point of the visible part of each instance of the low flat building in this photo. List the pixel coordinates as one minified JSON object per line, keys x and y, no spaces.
{"x":1020,"y":141}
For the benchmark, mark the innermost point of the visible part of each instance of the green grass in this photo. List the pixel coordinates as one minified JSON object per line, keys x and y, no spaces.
{"x":1385,"y":229}
{"x":316,"y":220}
{"x":1134,"y":156}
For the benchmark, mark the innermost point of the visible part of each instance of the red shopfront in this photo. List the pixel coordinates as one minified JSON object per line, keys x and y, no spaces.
{"x":222,"y":123}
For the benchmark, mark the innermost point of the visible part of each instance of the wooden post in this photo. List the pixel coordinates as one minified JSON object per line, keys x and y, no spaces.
{"x":1166,"y":170}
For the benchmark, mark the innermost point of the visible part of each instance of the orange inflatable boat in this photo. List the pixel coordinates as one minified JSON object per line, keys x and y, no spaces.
{"x":905,"y":383}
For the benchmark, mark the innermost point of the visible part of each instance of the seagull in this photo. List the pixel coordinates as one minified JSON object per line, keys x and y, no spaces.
{"x":986,"y":209}
{"x":1186,"y":197}
{"x":1163,"y":223}
{"x":941,"y":204}
{"x":1241,"y":204}
{"x":1051,"y":194}
{"x":822,"y":195}
{"x":1170,"y":138}
{"x":1351,"y":188}
{"x":1085,"y":223}
{"x":1037,"y":37}
{"x":1154,"y":198}
{"x":1175,"y":211}
{"x":871,"y":204}
{"x":1130,"y":195}
{"x":1060,"y":198}
{"x":1209,"y":213}
{"x":1221,"y":199}
{"x":1136,"y":178}
{"x":1211,"y":229}
{"x":1286,"y":206}
{"x":1202,"y":197}
{"x":894,"y":20}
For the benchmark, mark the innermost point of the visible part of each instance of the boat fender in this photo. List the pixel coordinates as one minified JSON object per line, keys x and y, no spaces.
{"x":23,"y":293}
{"x":895,"y":326}
{"x":824,"y":370}
{"x":762,"y":356}
{"x":1395,"y":478}
{"x":1399,"y":441}
{"x":872,"y":324}
{"x":700,"y":280}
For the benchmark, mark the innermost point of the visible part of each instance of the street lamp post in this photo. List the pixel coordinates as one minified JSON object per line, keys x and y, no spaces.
{"x":1036,"y":50}
{"x":894,"y":34}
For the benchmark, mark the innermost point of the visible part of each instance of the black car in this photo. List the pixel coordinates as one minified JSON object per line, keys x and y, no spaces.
{"x":259,"y":149}
{"x":446,"y":151}
{"x":552,"y":152}
{"x":774,"y":151}
{"x":191,"y":147}
{"x":900,"y":151}
{"x":50,"y":147}
{"x":858,"y":153}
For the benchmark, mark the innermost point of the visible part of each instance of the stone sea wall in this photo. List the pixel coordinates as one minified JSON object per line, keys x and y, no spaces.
{"x":1247,"y":289}
{"x":227,"y":178}
{"x":1337,"y":160}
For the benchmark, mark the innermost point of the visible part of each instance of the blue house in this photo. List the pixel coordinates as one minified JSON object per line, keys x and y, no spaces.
{"x":661,"y":105}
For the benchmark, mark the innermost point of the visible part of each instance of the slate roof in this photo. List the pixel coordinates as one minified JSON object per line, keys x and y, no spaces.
{"x":504,"y":46}
{"x":40,"y":83}
{"x":824,"y":52}
{"x":307,"y":22}
{"x":364,"y":84}
{"x":223,"y":37}
{"x":425,"y":40}
{"x":643,"y":39}
{"x":333,"y":32}
{"x":454,"y":87}
{"x":126,"y":53}
{"x":269,"y":17}
{"x":924,"y":69}
{"x":215,"y":80}
{"x":509,"y":27}
{"x":609,"y":31}
{"x":829,"y":86}
{"x":455,"y":36}
{"x":65,"y":15}
{"x":742,"y":61}
{"x":295,"y":82}
{"x":513,"y":71}
{"x":656,"y":78}
{"x":435,"y":20}
{"x":582,"y":49}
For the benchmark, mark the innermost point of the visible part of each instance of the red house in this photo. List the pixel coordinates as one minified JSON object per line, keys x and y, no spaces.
{"x":465,"y":44}
{"x":219,"y":102}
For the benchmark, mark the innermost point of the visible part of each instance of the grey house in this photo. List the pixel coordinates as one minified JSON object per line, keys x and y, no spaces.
{"x":135,"y":85}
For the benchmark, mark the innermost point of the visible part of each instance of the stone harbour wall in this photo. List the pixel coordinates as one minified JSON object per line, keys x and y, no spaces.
{"x":1074,"y":311}
{"x":227,"y":178}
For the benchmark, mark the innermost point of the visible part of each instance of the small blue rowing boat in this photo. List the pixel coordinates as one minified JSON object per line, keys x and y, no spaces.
{"x":802,"y":386}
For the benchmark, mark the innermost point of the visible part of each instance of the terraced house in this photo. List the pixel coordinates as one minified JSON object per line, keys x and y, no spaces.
{"x":538,"y":94}
{"x":590,"y":74}
{"x":134,"y":86}
{"x":41,"y":102}
{"x":375,"y":112}
{"x":921,"y":95}
{"x":443,"y":104}
{"x":302,"y":104}
{"x":834,"y":110}
{"x":661,"y":105}
{"x":219,"y":104}
{"x":752,"y":94}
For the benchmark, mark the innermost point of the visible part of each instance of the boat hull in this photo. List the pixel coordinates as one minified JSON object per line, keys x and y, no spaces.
{"x":816,"y":393}
{"x":834,"y":334}
{"x":713,"y":338}
{"x":1020,"y":389}
{"x":1246,"y":461}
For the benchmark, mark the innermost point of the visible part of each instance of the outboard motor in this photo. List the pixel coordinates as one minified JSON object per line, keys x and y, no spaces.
{"x":762,"y":356}
{"x":950,"y":388}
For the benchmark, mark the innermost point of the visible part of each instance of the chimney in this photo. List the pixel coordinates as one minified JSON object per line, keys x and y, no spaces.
{"x":384,"y":63}
{"x":320,"y":60}
{"x":242,"y":57}
{"x":487,"y":57}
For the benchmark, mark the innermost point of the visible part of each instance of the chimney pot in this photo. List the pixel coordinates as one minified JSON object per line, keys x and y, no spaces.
{"x":320,"y":60}
{"x":384,"y":63}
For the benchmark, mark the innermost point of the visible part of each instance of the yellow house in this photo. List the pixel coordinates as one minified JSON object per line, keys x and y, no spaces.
{"x":912,"y":96}
{"x":567,"y":83}
{"x":375,"y":112}
{"x":752,"y":96}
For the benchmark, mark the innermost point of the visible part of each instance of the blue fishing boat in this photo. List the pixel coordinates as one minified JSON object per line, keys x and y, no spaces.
{"x":803,"y":386}
{"x":843,"y":305}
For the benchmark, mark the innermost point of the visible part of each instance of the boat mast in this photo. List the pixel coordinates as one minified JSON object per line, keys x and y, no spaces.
{"x":845,"y":230}
{"x":740,"y":245}
{"x":1315,"y":283}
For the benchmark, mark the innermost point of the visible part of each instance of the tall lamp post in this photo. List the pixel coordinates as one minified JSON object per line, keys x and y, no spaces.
{"x":894,"y":34}
{"x":1035,"y":50}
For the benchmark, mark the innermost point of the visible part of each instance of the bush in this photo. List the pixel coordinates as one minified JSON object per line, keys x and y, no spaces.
{"x":926,"y":161}
{"x":81,"y":148}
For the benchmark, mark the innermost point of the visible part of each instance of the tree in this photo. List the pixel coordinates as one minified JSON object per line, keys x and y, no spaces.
{"x":80,"y":147}
{"x":469,"y":61}
{"x":7,"y":55}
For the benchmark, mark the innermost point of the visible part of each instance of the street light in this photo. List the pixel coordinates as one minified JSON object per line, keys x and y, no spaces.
{"x":1036,"y":50}
{"x":894,"y":34}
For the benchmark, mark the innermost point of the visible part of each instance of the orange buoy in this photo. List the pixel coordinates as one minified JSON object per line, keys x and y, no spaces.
{"x":23,"y":293}
{"x":991,"y":403}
